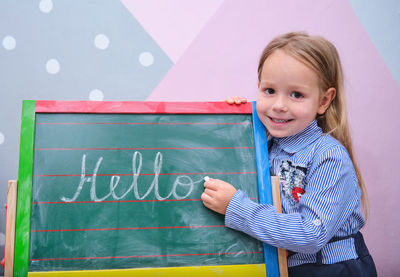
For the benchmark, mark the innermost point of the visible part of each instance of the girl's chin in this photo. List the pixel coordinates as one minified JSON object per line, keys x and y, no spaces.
{"x":281,"y":131}
{"x":278,"y":134}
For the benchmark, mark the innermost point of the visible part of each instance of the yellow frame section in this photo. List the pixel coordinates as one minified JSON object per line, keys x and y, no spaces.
{"x":257,"y":270}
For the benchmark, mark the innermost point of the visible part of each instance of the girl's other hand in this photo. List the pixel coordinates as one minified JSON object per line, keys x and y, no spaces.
{"x":236,"y":100}
{"x":217,"y":195}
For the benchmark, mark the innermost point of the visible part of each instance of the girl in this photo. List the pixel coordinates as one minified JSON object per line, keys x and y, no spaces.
{"x":301,"y":103}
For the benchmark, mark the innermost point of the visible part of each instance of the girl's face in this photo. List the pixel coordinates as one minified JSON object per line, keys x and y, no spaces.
{"x":289,"y":97}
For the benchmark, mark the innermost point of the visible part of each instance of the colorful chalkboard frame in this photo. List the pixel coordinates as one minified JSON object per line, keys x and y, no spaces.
{"x":31,"y":108}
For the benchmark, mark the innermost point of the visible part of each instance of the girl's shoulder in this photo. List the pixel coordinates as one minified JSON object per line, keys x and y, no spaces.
{"x":328,"y":147}
{"x":326,"y":142}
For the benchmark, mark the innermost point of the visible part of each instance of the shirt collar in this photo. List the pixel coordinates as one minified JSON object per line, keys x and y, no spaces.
{"x":295,"y":143}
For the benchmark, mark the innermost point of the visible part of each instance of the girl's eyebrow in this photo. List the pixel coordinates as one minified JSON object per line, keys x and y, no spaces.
{"x":266,"y":82}
{"x":292,"y":86}
{"x":299,"y":87}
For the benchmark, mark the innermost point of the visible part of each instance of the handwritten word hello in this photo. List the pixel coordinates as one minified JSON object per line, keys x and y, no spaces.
{"x":180,"y":181}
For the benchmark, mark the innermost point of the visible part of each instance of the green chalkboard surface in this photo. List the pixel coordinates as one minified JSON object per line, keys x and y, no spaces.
{"x":114,"y":191}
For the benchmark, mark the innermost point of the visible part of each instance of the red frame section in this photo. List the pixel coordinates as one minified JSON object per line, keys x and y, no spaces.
{"x":141,"y":107}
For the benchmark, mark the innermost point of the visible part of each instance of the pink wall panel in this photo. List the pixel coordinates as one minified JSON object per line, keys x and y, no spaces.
{"x":222,"y":61}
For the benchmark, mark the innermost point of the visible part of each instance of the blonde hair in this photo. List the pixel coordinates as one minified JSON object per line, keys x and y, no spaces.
{"x":322,"y":57}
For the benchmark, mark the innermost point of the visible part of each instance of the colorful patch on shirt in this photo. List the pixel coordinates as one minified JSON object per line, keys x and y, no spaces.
{"x":291,"y":178}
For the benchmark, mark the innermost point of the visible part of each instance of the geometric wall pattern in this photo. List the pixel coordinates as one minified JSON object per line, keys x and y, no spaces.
{"x":176,"y":50}
{"x":382,"y":21}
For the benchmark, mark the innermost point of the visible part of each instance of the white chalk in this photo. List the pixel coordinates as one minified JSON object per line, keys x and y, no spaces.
{"x":206,"y":178}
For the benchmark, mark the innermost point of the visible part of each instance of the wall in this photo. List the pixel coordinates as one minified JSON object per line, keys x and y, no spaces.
{"x":204,"y":51}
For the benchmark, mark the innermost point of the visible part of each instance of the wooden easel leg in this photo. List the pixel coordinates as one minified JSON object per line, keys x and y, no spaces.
{"x":276,"y":195}
{"x":10,"y":228}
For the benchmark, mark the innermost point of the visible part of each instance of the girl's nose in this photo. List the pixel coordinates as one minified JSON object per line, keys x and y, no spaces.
{"x":280,"y":104}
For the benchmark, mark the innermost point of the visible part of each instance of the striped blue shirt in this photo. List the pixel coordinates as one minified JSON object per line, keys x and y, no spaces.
{"x":320,"y":200}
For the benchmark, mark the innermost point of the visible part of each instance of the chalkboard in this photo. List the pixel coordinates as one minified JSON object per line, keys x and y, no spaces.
{"x":117,"y":185}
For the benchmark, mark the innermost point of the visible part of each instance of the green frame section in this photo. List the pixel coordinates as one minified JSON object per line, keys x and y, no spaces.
{"x":23,"y":213}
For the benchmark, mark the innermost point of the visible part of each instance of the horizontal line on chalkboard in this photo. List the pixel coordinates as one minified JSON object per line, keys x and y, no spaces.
{"x":121,"y":201}
{"x":144,"y":174}
{"x":143,"y":123}
{"x":115,"y":201}
{"x":125,"y":229}
{"x":151,"y":148}
{"x":147,"y":256}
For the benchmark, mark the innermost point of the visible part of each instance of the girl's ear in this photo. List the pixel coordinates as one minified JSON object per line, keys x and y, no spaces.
{"x":326,"y":100}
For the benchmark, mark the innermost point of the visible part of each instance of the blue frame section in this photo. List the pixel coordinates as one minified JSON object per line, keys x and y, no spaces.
{"x":264,"y":187}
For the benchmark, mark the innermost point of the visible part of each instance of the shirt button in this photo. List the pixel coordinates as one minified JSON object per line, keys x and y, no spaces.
{"x":317,"y":222}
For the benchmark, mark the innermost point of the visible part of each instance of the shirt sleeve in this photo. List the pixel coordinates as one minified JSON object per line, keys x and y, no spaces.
{"x":332,"y":193}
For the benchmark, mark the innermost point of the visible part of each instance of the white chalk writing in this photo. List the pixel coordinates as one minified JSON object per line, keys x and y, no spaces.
{"x":182,"y":181}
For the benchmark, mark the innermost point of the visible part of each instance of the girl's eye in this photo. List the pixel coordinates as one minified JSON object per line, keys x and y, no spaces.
{"x":297,"y":95}
{"x":269,"y":91}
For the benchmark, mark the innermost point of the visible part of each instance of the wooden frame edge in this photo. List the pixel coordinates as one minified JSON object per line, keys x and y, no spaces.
{"x":276,"y":195}
{"x":10,"y":228}
{"x":256,"y":270}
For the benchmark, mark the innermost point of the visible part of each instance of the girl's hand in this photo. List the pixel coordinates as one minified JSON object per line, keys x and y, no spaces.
{"x":217,"y":195}
{"x":236,"y":100}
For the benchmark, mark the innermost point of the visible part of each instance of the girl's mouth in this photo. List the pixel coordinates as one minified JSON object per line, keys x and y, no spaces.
{"x":276,"y":120}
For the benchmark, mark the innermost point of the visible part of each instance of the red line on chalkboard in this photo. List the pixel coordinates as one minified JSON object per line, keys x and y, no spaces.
{"x":151,"y":148}
{"x":120,"y":201}
{"x":144,"y":174}
{"x":147,"y":256}
{"x":124,"y":229}
{"x":143,"y":123}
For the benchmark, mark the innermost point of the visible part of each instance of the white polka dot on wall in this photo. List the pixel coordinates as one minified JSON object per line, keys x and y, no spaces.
{"x":2,"y":138}
{"x":96,"y":95}
{"x":53,"y":66}
{"x":146,"y":59}
{"x":9,"y":43}
{"x":46,"y":6}
{"x":101,"y":41}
